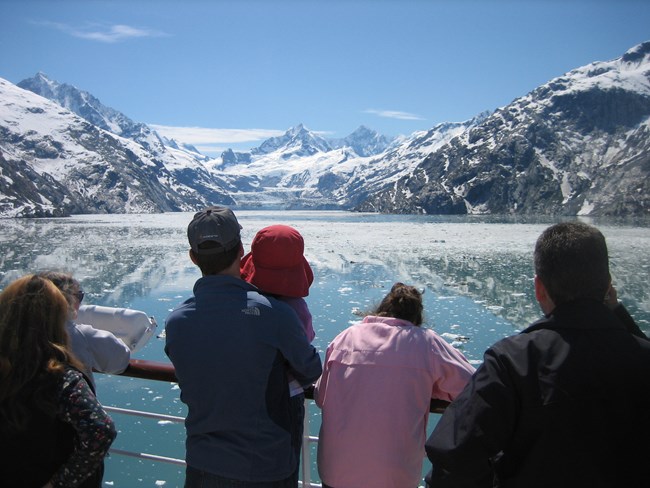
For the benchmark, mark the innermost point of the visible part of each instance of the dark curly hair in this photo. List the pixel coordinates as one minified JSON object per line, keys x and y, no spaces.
{"x":402,"y":302}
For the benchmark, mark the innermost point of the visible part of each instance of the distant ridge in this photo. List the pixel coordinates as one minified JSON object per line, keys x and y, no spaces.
{"x":577,"y":145}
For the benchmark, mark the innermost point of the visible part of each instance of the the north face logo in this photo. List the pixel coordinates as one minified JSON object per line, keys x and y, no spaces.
{"x":251,"y":311}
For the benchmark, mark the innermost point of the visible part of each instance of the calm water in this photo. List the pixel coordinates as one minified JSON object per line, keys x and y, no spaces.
{"x":477,"y":273}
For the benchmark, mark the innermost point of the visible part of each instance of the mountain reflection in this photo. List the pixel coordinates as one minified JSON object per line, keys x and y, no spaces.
{"x":123,"y":258}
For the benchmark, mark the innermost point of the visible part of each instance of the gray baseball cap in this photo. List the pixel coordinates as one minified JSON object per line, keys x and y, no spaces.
{"x":217,"y":224}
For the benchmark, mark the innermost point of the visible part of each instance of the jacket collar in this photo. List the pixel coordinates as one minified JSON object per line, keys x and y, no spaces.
{"x":579,"y":314}
{"x":373,"y":319}
{"x":209,"y":282}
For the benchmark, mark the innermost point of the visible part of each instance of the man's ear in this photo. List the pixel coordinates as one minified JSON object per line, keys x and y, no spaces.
{"x":542,"y":296}
{"x":193,"y":257}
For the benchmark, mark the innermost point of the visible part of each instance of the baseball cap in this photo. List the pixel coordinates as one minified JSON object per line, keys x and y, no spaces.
{"x":217,"y":224}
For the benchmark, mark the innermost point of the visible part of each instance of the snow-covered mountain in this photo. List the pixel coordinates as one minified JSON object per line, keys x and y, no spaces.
{"x":180,"y":159}
{"x":296,"y":142}
{"x":301,"y":169}
{"x":67,"y":165}
{"x":364,"y":142}
{"x":577,"y":145}
{"x":299,"y":141}
{"x":259,"y":178}
{"x":90,"y":108}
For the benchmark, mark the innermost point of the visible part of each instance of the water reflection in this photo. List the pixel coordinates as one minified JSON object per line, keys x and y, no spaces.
{"x":124,"y":259}
{"x":116,"y":258}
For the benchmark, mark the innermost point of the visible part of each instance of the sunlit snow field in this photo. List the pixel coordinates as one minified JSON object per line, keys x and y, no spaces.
{"x":477,"y":273}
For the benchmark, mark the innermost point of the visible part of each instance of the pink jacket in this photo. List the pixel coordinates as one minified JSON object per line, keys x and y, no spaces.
{"x":378,"y":379}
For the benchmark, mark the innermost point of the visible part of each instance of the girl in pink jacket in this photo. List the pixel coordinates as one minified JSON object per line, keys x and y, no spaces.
{"x":379,"y":377}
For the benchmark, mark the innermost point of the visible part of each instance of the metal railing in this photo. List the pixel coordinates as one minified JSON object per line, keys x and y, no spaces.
{"x":152,"y":370}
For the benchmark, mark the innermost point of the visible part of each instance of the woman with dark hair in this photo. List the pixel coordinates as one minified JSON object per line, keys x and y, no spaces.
{"x":53,"y":431}
{"x":378,"y":380}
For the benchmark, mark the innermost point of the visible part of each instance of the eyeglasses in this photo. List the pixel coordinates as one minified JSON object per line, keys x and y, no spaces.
{"x":80,"y":296}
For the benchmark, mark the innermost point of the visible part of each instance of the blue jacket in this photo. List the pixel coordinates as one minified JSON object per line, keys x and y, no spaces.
{"x":232,"y":349}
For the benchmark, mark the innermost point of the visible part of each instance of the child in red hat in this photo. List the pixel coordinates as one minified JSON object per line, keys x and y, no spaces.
{"x":276,"y":265}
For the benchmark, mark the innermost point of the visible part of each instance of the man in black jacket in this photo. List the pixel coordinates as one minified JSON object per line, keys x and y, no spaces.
{"x":565,"y":403}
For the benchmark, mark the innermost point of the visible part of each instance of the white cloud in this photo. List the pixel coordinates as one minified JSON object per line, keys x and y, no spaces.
{"x":107,"y":34}
{"x":394,"y":114}
{"x":210,"y":137}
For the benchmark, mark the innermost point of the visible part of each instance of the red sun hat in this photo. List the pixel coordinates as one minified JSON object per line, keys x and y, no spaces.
{"x":276,"y":263}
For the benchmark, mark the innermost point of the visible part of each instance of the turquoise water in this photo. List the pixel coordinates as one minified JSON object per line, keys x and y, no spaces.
{"x":476,"y":272}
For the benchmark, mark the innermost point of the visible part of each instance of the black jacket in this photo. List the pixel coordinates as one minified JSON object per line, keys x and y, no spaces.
{"x":565,"y":403}
{"x":30,"y":457}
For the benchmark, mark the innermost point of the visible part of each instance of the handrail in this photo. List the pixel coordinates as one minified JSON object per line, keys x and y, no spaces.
{"x":154,"y":370}
{"x":150,"y":370}
{"x":159,"y":371}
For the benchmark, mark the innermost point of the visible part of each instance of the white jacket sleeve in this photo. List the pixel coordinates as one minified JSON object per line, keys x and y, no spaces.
{"x":109,"y":353}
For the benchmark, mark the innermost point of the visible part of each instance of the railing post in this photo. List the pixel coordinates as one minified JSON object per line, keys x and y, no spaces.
{"x":306,"y":450}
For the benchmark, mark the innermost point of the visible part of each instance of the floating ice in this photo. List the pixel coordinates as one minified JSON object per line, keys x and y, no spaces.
{"x":455,"y":337}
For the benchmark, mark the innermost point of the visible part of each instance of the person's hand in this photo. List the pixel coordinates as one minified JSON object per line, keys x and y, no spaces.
{"x":48,"y":485}
{"x":611,"y":298}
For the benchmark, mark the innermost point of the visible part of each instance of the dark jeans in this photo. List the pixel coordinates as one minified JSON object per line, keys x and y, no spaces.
{"x":195,"y":478}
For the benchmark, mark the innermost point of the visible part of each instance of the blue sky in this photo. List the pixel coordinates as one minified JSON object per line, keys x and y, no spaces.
{"x":222,"y":74}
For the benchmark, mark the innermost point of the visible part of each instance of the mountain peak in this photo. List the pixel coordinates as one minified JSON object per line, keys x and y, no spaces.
{"x":364,"y":142}
{"x":637,"y":53}
{"x":299,"y":131}
{"x":82,"y":103}
{"x":298,"y":128}
{"x":296,"y":141}
{"x":362,"y":130}
{"x":42,"y":77}
{"x":40,"y":84}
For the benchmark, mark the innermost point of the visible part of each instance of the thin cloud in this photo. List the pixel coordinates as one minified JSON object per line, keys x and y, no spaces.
{"x":394,"y":114}
{"x":204,"y":136}
{"x":107,"y":34}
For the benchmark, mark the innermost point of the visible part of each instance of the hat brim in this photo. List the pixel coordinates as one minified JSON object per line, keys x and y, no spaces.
{"x":290,"y":282}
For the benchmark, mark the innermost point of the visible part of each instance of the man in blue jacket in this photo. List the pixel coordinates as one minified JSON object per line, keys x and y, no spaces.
{"x":563,"y":404}
{"x":232,"y":349}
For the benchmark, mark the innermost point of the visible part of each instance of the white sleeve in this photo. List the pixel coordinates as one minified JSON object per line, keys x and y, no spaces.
{"x":110,"y":354}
